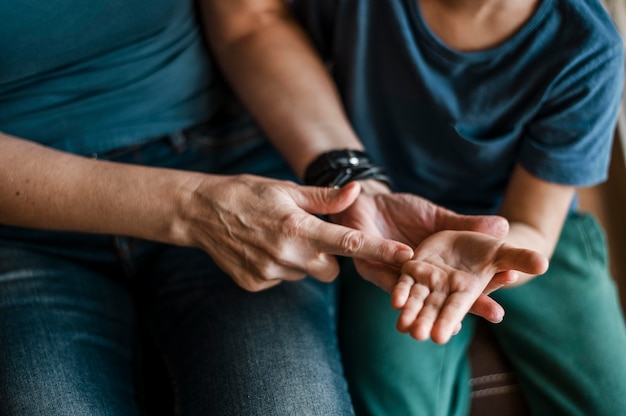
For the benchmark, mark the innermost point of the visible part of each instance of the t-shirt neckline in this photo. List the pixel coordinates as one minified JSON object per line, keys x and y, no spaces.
{"x":433,"y":42}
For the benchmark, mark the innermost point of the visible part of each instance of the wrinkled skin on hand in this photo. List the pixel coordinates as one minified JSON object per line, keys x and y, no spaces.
{"x":449,"y":272}
{"x":261,"y":231}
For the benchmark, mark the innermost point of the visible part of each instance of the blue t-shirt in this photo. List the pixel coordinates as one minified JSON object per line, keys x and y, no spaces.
{"x":93,"y":76}
{"x":451,"y":125}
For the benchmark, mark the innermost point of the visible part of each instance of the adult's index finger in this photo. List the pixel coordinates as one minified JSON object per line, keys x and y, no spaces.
{"x":344,"y":241}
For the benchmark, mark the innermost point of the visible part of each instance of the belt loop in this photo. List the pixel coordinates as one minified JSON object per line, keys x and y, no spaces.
{"x":178,"y":141}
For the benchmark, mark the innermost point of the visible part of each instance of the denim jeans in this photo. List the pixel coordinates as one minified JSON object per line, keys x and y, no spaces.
{"x":69,"y":304}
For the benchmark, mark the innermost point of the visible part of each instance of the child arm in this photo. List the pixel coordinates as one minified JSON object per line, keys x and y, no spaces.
{"x":451,"y":270}
{"x":536,"y":210}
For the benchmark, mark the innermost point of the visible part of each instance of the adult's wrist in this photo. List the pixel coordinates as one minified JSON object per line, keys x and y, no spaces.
{"x":337,"y":168}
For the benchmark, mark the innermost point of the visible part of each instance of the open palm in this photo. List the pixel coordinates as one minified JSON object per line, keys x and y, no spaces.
{"x":409,"y":219}
{"x":449,"y":272}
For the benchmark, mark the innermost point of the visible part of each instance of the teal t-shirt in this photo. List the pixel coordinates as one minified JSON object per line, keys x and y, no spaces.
{"x":89,"y":77}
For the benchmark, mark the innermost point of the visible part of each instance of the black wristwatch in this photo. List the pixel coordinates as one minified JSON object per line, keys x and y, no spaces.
{"x":339,"y":167}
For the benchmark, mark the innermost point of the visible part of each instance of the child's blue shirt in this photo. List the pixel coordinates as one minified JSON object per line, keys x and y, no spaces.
{"x":451,"y":125}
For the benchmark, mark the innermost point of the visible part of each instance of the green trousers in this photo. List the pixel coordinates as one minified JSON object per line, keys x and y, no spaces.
{"x":564,"y":332}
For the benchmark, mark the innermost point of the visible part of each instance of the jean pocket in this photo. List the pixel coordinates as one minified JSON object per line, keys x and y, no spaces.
{"x":235,"y":145}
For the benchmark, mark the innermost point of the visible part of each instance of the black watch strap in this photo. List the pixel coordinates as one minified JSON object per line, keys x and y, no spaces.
{"x":339,"y":167}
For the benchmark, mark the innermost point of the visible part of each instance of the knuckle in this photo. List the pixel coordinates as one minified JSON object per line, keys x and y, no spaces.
{"x":267,"y":271}
{"x":439,"y":279}
{"x":292,"y":225}
{"x":419,"y":292}
{"x":247,"y":284}
{"x":414,"y":268}
{"x":328,"y":273}
{"x":461,"y":281}
{"x":275,"y":254}
{"x":276,"y":270}
{"x":282,"y":259}
{"x":387,"y":251}
{"x":352,"y":242}
{"x":406,"y":281}
{"x":259,"y":282}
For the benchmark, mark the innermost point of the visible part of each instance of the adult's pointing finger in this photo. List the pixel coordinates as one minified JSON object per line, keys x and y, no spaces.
{"x":343,"y":241}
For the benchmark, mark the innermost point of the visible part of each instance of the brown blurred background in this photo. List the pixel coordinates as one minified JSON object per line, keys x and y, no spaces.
{"x":608,"y":200}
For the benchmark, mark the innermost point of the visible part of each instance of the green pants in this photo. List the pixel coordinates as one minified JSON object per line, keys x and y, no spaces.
{"x":564,"y":333}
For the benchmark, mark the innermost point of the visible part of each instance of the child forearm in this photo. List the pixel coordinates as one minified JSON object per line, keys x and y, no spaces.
{"x":536,"y":211}
{"x":525,"y":236}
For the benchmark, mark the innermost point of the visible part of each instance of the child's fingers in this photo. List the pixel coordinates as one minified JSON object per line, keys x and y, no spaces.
{"x":401,"y":291}
{"x":421,"y":329}
{"x":452,"y":313}
{"x":412,"y":307}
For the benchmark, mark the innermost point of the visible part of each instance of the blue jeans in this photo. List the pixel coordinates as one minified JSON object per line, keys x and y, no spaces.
{"x":69,"y":305}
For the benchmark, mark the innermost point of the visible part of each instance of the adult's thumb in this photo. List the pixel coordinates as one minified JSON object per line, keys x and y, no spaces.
{"x":321,"y":200}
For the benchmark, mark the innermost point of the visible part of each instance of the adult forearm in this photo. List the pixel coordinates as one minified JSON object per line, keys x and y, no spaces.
{"x":48,"y":189}
{"x":279,"y":77}
{"x":259,"y":230}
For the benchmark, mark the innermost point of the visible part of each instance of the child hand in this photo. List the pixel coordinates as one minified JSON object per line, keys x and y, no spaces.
{"x":450,"y":271}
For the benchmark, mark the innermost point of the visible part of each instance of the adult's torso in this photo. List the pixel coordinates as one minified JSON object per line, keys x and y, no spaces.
{"x":94,"y":76}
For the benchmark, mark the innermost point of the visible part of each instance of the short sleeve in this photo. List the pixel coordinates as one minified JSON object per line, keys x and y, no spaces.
{"x":318,"y":19}
{"x":569,"y":141}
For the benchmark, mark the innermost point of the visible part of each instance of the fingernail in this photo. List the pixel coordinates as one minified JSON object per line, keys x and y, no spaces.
{"x":402,"y":256}
{"x":498,"y":318}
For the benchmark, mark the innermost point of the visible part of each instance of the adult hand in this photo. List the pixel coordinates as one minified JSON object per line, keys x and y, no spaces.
{"x":261,"y":231}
